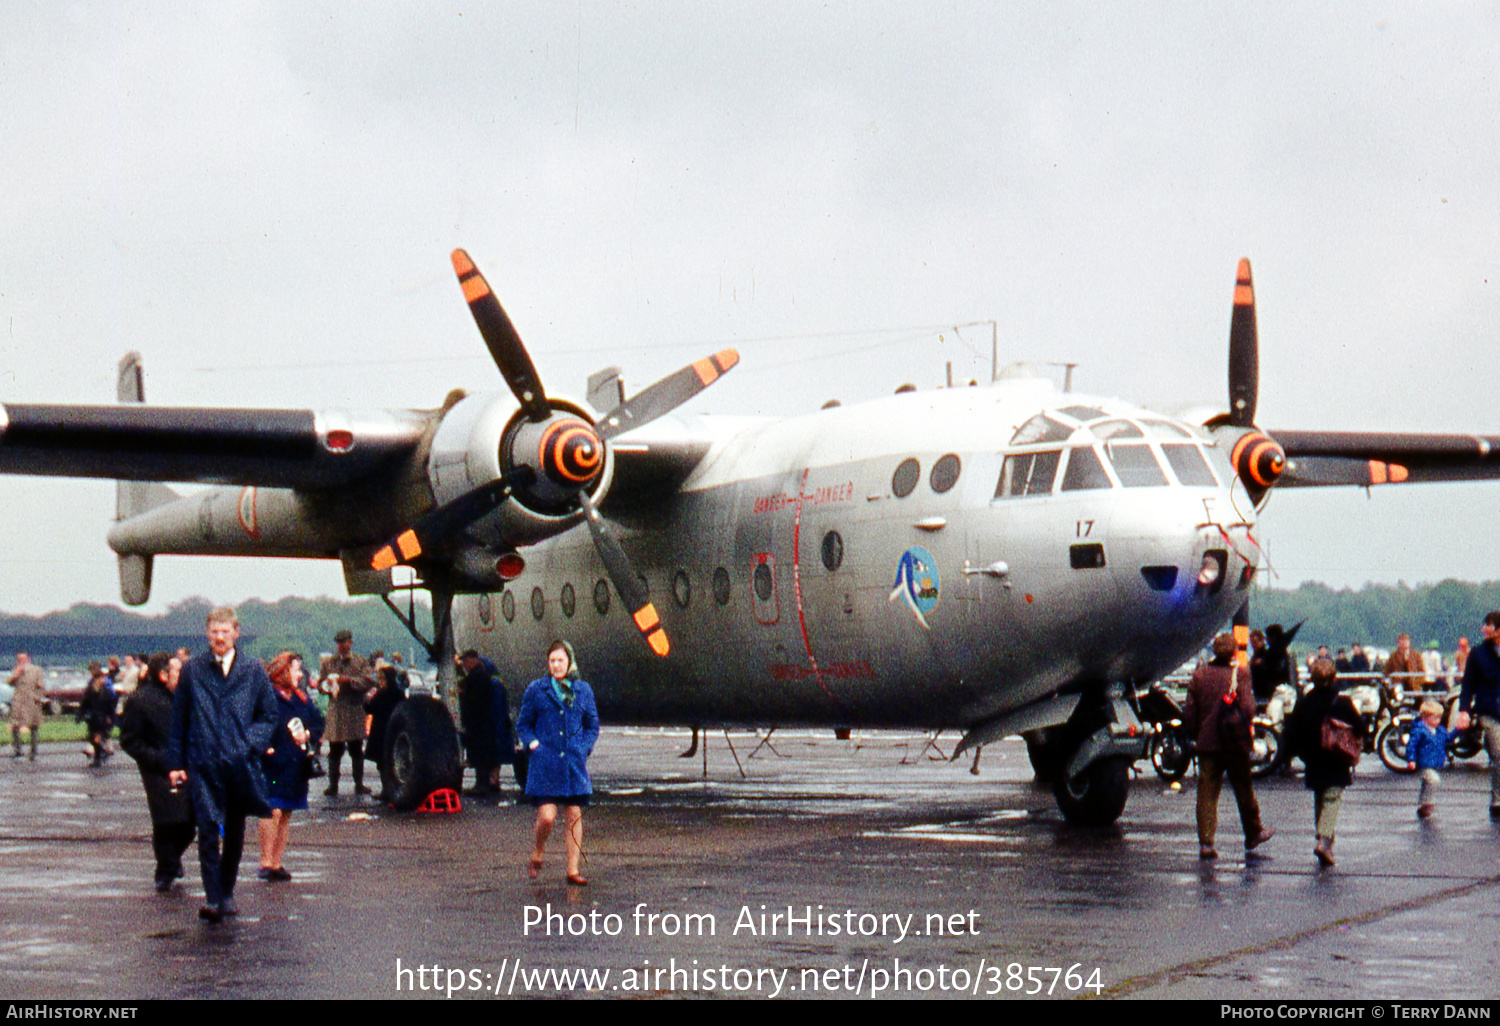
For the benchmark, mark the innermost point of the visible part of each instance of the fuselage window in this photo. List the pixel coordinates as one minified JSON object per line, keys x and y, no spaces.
{"x":1082,"y":413}
{"x":1085,"y":472}
{"x":601,"y":596}
{"x":1188,"y":464}
{"x":1027,"y":473}
{"x":763,"y":581}
{"x":944,"y":473}
{"x":682,"y":588}
{"x":508,"y":606}
{"x":486,"y":610}
{"x":721,"y":586}
{"x":905,"y":478}
{"x":1135,"y":466}
{"x":569,"y":600}
{"x":1040,"y":428}
{"x":833,"y":551}
{"x":538,"y":603}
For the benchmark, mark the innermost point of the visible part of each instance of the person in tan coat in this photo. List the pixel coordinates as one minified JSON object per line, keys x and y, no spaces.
{"x":346,"y":678}
{"x":26,"y":704}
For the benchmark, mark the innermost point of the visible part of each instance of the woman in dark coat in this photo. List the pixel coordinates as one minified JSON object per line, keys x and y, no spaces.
{"x":380,"y":705}
{"x":1328,"y":773}
{"x":299,"y":730}
{"x":558,"y":726}
{"x":97,"y":711}
{"x":143,"y":735}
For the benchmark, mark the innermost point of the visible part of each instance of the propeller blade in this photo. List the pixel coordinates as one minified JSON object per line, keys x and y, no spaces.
{"x":627,"y":583}
{"x":666,"y":395}
{"x":1244,"y":351}
{"x":502,"y":339}
{"x":1242,"y":633}
{"x":432,"y":531}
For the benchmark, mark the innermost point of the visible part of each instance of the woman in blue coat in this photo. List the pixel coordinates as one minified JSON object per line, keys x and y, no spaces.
{"x":558,"y":726}
{"x":299,"y":731}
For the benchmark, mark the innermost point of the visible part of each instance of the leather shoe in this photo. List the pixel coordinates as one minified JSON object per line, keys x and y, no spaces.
{"x":1251,"y":843}
{"x":1206,"y":851}
{"x":163,"y":884}
{"x":211,"y":914}
{"x":228,"y":907}
{"x":578,"y":880}
{"x":361,"y":789}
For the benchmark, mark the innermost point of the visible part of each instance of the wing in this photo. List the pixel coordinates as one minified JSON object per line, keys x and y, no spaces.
{"x":300,"y":449}
{"x":1325,"y":458}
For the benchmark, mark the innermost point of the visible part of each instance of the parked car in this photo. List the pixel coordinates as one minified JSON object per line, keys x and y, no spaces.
{"x":65,"y":688}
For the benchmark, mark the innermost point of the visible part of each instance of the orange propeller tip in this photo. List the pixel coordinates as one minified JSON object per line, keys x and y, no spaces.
{"x":1243,"y":272}
{"x":461,"y":262}
{"x":659,"y":643}
{"x":727,"y":358}
{"x":384,"y":559}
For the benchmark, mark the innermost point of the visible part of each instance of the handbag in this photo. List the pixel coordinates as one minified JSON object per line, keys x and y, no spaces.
{"x":1337,"y":738}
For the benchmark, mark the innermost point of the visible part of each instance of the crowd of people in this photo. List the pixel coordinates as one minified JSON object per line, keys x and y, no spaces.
{"x":219,"y":738}
{"x":1325,"y":729}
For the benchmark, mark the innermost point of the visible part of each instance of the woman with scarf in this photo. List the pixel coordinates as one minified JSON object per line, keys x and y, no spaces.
{"x":558,"y":726}
{"x":299,"y":731}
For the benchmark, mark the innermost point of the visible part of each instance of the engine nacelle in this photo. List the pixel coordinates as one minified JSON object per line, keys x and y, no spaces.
{"x":484,"y":437}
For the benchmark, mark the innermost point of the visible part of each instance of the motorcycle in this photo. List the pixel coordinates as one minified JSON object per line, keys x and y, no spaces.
{"x":1171,"y":747}
{"x":1391,"y":744}
{"x":1267,"y":755}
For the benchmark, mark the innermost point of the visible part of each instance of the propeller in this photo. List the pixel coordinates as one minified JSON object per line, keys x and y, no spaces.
{"x":1244,"y":351}
{"x":1256,"y":457}
{"x":555,"y":455}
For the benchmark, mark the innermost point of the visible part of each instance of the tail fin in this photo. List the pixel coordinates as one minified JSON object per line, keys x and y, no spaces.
{"x":135,"y":497}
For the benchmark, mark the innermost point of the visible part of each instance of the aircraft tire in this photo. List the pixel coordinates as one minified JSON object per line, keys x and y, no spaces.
{"x":421,"y":752}
{"x":1047,"y":755}
{"x":1096,"y":797}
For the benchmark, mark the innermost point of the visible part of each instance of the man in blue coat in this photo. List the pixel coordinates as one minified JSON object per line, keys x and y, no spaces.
{"x":1480,"y":693}
{"x":223,"y":718}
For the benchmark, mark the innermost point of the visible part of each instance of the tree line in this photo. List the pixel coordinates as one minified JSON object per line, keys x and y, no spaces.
{"x":1376,"y":613}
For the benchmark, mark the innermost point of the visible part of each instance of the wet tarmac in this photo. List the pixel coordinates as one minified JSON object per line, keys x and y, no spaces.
{"x":830,"y":868}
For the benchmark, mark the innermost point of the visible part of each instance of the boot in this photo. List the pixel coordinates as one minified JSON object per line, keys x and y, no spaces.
{"x":333,"y":778}
{"x":1324,"y":851}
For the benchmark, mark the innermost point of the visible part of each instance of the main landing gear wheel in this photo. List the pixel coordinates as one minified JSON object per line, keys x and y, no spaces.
{"x":1047,"y":754}
{"x":421,"y":752}
{"x":1095,"y":797}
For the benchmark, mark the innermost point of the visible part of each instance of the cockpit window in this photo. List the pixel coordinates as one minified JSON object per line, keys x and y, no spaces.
{"x":1082,"y":413}
{"x":1165,"y":429}
{"x":1135,"y":466}
{"x":1027,"y":473}
{"x":1084,"y":472}
{"x":1115,"y":429}
{"x":1188,"y":464}
{"x":1040,"y":428}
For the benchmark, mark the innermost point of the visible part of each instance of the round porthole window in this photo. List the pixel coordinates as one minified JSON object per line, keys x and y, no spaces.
{"x":905,"y":478}
{"x":508,"y":606}
{"x":569,"y":600}
{"x":763,"y":584}
{"x":601,"y":596}
{"x":944,"y":473}
{"x":721,"y":586}
{"x":486,"y":609}
{"x":833,"y":550}
{"x":538,"y":603}
{"x":682,"y":588}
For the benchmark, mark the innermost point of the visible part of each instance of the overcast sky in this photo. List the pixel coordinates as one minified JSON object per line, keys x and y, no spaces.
{"x":261,"y":198}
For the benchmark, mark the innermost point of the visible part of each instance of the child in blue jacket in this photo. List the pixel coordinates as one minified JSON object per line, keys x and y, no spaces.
{"x":1427,"y":751}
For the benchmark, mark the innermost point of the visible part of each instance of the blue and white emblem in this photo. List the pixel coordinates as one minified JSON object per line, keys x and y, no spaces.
{"x":917,"y":583}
